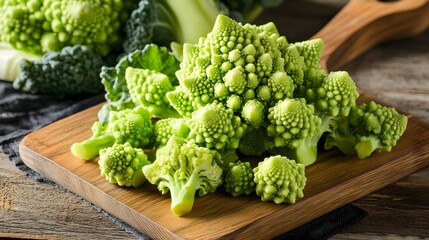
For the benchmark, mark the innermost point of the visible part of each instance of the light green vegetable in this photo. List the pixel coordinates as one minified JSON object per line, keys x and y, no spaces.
{"x":368,"y":128}
{"x":130,"y":125}
{"x":10,"y":60}
{"x":239,"y":179}
{"x":280,"y":180}
{"x":294,"y":130}
{"x":184,"y":169}
{"x":297,"y":128}
{"x":165,"y":128}
{"x":41,"y":26}
{"x":216,"y":127}
{"x":149,"y":88}
{"x":122,"y":164}
{"x":234,"y":64}
{"x":118,"y":96}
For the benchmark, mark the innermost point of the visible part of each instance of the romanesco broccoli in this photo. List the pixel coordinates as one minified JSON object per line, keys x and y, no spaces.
{"x":280,"y":180}
{"x":152,"y":57}
{"x":129,"y":125}
{"x":149,"y":88}
{"x":234,"y":64}
{"x":294,"y":130}
{"x":184,"y":169}
{"x":122,"y":164}
{"x":165,"y":128}
{"x":369,"y":127}
{"x":239,"y":179}
{"x":216,"y":127}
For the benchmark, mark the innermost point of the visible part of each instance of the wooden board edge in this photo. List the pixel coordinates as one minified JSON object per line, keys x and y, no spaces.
{"x":268,"y":230}
{"x":68,"y":180}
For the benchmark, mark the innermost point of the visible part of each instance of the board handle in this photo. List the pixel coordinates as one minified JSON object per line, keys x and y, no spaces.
{"x":362,"y":24}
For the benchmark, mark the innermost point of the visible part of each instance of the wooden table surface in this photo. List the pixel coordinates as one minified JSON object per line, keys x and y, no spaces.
{"x":395,"y":72}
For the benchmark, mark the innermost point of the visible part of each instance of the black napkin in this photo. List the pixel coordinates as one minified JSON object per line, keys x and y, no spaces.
{"x":21,"y":113}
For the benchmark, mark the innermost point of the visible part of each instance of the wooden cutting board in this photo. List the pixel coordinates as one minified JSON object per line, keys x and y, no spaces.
{"x":333,"y":180}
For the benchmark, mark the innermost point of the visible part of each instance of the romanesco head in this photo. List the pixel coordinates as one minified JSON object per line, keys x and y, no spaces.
{"x":291,"y":121}
{"x":239,"y":179}
{"x":92,"y":23}
{"x":20,"y":25}
{"x":279,"y":179}
{"x":234,"y":64}
{"x":122,"y":164}
{"x":131,"y":125}
{"x":337,"y":94}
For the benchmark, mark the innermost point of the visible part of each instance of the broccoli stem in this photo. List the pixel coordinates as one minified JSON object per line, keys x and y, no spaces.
{"x":182,"y":199}
{"x":365,"y":147}
{"x":90,"y":148}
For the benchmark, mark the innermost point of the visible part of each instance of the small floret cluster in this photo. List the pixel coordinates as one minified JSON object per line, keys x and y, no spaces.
{"x":242,"y":90}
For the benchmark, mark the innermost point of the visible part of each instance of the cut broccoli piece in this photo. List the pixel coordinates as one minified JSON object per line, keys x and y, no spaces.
{"x":149,"y":88}
{"x":368,"y":128}
{"x":239,"y":179}
{"x":130,"y":125}
{"x":152,"y":57}
{"x":184,"y":169}
{"x":122,"y":164}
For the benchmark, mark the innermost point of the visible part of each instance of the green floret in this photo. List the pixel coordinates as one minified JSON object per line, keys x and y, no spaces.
{"x":20,"y":25}
{"x":73,"y":71}
{"x":294,"y":65}
{"x":234,"y":64}
{"x":253,"y":113}
{"x":184,"y":169}
{"x":92,"y":23}
{"x":368,"y":128}
{"x":181,"y":102}
{"x":122,"y":164}
{"x":165,"y":128}
{"x":294,"y":130}
{"x":129,"y":125}
{"x":216,"y":127}
{"x":280,"y":180}
{"x":149,"y":88}
{"x":336,"y":94}
{"x":311,"y":53}
{"x":152,"y":57}
{"x":239,"y":179}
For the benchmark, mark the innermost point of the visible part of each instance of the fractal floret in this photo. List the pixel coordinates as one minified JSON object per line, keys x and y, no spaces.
{"x":280,"y":180}
{"x":122,"y":164}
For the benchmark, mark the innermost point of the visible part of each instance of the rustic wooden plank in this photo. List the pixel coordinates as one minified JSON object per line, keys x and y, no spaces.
{"x":34,"y":210}
{"x":333,"y":181}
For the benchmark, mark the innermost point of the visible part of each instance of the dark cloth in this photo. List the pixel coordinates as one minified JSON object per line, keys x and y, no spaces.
{"x":21,"y":113}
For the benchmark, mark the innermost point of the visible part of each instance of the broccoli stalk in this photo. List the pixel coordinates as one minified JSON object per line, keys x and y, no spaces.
{"x":129,"y":125}
{"x":166,"y":21}
{"x":184,"y":169}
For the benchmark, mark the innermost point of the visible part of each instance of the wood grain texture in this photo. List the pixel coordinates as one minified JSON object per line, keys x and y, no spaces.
{"x":333,"y":181}
{"x":362,"y":24}
{"x":34,"y":210}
